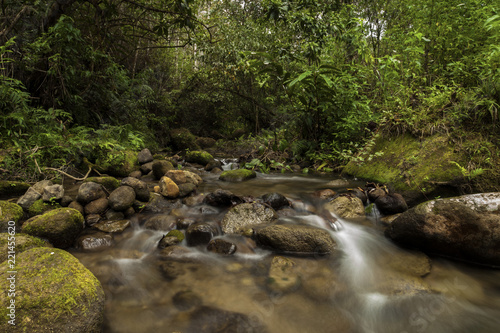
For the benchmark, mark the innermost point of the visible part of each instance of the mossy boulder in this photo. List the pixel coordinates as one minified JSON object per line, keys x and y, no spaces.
{"x":118,"y":163}
{"x":60,"y":226}
{"x":9,"y":211}
{"x":109,"y":183}
{"x":182,"y":139}
{"x":199,"y":156}
{"x":237,"y":175}
{"x":23,"y":243}
{"x":12,"y":188}
{"x":409,"y":163}
{"x":54,"y":293}
{"x":39,"y":207}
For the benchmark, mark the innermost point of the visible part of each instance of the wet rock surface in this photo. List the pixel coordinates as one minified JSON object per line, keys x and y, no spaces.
{"x":244,"y":215}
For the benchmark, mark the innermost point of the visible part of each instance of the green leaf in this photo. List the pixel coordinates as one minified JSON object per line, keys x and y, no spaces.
{"x":300,"y":78}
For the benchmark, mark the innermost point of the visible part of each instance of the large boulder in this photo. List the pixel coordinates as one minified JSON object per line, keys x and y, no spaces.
{"x":244,"y":215}
{"x":199,"y":157}
{"x":346,"y":206}
{"x":237,"y":175}
{"x":9,"y":211}
{"x":23,"y":243}
{"x":39,"y":207}
{"x":450,"y":227}
{"x":54,"y":292}
{"x":122,"y":198}
{"x":60,"y":226}
{"x":298,"y":239}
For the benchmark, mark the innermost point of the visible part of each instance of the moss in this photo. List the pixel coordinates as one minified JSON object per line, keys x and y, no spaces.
{"x":23,"y":243}
{"x":39,"y":207}
{"x":12,"y":188}
{"x":408,"y":163}
{"x":237,"y":175}
{"x":9,"y":211}
{"x":176,"y":233}
{"x":59,"y":226}
{"x":54,"y":293}
{"x":110,"y":183}
{"x":118,"y":163}
{"x":199,"y":156}
{"x":182,"y":139}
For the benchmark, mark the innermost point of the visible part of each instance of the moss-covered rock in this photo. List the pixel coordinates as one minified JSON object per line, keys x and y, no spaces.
{"x":9,"y":211}
{"x":54,"y":292}
{"x":182,"y":139}
{"x":199,"y":156}
{"x":237,"y":175}
{"x":118,"y":163}
{"x":109,"y":183}
{"x":59,"y":226}
{"x":408,"y":163}
{"x":23,"y":243}
{"x":12,"y":188}
{"x":39,"y":207}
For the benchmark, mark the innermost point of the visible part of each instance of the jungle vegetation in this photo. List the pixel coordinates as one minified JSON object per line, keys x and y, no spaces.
{"x":317,"y":79}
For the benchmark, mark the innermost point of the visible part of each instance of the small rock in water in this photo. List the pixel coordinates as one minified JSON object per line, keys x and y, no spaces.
{"x":53,"y":193}
{"x":282,"y":275}
{"x":90,"y":191}
{"x":276,"y":200}
{"x":92,"y":219}
{"x":95,"y":241}
{"x":186,"y":299}
{"x":221,"y":246}
{"x":222,"y":198}
{"x":144,"y":156}
{"x":98,"y":206}
{"x":208,"y":319}
{"x":346,"y":206}
{"x":200,"y":233}
{"x":122,"y":198}
{"x":243,"y":215}
{"x":325,"y":194}
{"x":112,"y":226}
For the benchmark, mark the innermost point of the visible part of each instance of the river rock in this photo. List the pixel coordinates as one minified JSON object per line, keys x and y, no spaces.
{"x":168,"y":188}
{"x":346,"y":206}
{"x":29,"y":198}
{"x":213,"y":164}
{"x":159,"y":204}
{"x":39,"y":207}
{"x":98,"y":206}
{"x":173,"y":237}
{"x":24,"y":242}
{"x":237,"y":175}
{"x":221,"y":246}
{"x":39,"y":186}
{"x":161,"y":222}
{"x":112,"y":226}
{"x":392,"y":203}
{"x":160,"y":168}
{"x":60,"y":226}
{"x":283,"y":275}
{"x":66,"y":200}
{"x":450,"y":228}
{"x":222,"y":198}
{"x":113,"y":215}
{"x":54,"y":293}
{"x":92,"y":219}
{"x":90,"y":191}
{"x":122,"y":198}
{"x":140,"y":187}
{"x":325,"y":194}
{"x":276,"y":200}
{"x":200,"y":233}
{"x":95,"y":241}
{"x":186,"y":189}
{"x":108,"y":182}
{"x":243,"y":215}
{"x":146,"y":168}
{"x":76,"y":205}
{"x":9,"y":211}
{"x":53,"y":193}
{"x":199,"y":157}
{"x":144,"y":156}
{"x":207,"y":319}
{"x":13,"y":188}
{"x":205,"y":142}
{"x":299,"y":239}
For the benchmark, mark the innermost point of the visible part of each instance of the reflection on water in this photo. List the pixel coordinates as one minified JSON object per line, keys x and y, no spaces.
{"x":369,"y":286}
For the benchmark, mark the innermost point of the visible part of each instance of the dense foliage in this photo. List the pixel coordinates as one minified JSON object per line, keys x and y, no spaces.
{"x":318,"y":78}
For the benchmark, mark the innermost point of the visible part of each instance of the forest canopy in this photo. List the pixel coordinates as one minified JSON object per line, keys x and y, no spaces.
{"x":79,"y":77}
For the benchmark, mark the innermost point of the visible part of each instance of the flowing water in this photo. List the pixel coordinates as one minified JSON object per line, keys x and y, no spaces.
{"x":368,"y":285}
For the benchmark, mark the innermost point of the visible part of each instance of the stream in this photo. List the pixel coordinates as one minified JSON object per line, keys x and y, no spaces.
{"x":368,"y":285}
